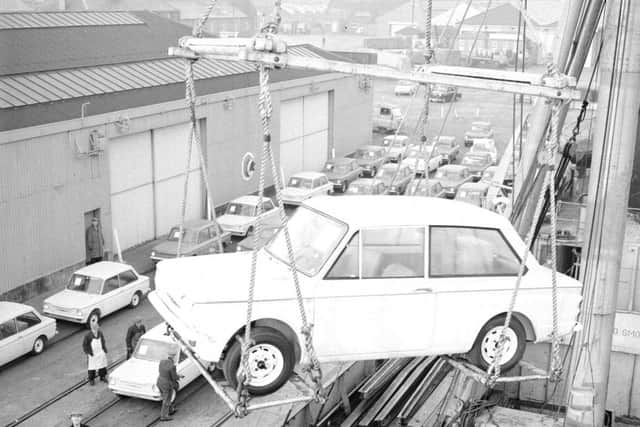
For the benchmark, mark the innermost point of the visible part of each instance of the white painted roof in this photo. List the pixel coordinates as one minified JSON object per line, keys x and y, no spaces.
{"x":103,"y":269}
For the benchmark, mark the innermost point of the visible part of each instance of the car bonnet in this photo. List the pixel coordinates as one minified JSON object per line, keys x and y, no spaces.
{"x":138,"y":371}
{"x":235,"y":220}
{"x":72,"y":299}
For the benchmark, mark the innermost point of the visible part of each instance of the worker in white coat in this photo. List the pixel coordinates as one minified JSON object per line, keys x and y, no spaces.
{"x":96,"y":350}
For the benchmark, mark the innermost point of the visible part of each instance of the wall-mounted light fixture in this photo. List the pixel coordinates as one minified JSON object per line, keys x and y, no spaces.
{"x":123,"y":123}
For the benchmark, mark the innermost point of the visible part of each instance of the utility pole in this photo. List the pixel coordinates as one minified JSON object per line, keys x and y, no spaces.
{"x":612,"y":162}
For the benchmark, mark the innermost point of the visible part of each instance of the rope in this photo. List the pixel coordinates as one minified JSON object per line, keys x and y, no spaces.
{"x":428,"y":49}
{"x":183,"y":205}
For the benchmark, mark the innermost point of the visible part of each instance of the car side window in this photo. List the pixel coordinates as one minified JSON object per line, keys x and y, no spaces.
{"x":27,"y":320}
{"x":213,"y":231}
{"x":323,"y":180}
{"x":267,"y":206}
{"x":7,"y":329}
{"x":182,"y":357}
{"x":347,"y":264}
{"x":127,"y":277}
{"x":111,"y":284}
{"x":385,"y":111}
{"x":466,"y":251}
{"x":393,"y":252}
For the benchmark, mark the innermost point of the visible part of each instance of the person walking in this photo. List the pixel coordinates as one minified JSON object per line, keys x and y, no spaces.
{"x":134,"y":333}
{"x":95,"y":242}
{"x":96,"y":350}
{"x":168,"y":385}
{"x":76,"y":420}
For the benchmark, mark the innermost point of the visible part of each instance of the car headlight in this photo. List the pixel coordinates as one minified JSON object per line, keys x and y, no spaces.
{"x":78,"y":311}
{"x":153,"y":253}
{"x":112,"y":380}
{"x":46,"y":306}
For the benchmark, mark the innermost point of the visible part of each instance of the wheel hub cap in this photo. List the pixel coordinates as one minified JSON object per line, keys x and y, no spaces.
{"x":491,"y":341}
{"x":266,"y":363}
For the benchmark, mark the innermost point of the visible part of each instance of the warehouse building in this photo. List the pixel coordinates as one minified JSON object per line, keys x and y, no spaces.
{"x":93,"y":122}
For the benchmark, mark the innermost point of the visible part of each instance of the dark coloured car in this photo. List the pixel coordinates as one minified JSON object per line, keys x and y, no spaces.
{"x":199,"y":237}
{"x":341,"y":172}
{"x":451,"y":177}
{"x":396,"y":177}
{"x":367,"y":186}
{"x":449,"y":148}
{"x":443,"y":93}
{"x":370,"y":158}
{"x":425,"y":188}
{"x":477,"y":164}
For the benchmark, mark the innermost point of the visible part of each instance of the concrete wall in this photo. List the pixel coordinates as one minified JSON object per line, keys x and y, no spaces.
{"x":45,"y":187}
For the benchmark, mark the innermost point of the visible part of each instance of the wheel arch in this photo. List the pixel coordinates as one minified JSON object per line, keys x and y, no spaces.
{"x":275,"y":324}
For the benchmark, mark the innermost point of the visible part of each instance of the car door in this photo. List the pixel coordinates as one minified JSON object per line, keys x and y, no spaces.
{"x":10,"y":347}
{"x":129,"y":284}
{"x":187,"y":369}
{"x":29,"y":328}
{"x":268,"y":209}
{"x":112,"y":298}
{"x":472,"y":272}
{"x":373,"y":300}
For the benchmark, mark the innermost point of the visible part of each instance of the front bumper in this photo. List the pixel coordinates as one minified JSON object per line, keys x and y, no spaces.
{"x":64,"y":315}
{"x":293,"y":201}
{"x":134,"y":391}
{"x":235,"y":230}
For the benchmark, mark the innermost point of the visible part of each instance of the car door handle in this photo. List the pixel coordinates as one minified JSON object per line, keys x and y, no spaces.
{"x":423,"y":290}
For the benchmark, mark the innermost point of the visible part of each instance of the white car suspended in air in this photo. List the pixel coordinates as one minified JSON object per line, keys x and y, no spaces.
{"x":381,"y":278}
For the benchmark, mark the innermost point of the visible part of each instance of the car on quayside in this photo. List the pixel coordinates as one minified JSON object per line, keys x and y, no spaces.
{"x":477,"y":193}
{"x":137,"y":376}
{"x":396,"y":177}
{"x":23,"y":330}
{"x":396,"y":146}
{"x":447,"y":146}
{"x":479,"y":129}
{"x":341,"y":172}
{"x":420,"y":158}
{"x":241,"y":214}
{"x":477,"y":163}
{"x":443,"y":93}
{"x":97,"y":290}
{"x":405,"y":87}
{"x":370,"y":158}
{"x":199,"y":237}
{"x":451,"y":177}
{"x":485,"y":145}
{"x":425,"y":188}
{"x":305,"y":185}
{"x":267,"y":230}
{"x":372,"y":287}
{"x":371,"y":186}
{"x":490,"y":172}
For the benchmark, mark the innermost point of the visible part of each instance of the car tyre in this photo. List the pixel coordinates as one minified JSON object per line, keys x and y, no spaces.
{"x":39,"y":344}
{"x":269,"y":346}
{"x":93,"y":317}
{"x":487,"y":340}
{"x":135,"y":299}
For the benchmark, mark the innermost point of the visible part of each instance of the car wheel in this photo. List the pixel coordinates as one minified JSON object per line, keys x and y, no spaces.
{"x":135,"y":299}
{"x":94,"y":317}
{"x":39,"y":344}
{"x":271,"y":361}
{"x":483,"y":351}
{"x":343,"y":187}
{"x":374,"y":172}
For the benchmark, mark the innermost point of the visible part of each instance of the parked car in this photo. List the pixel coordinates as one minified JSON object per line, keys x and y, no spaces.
{"x":342,"y":172}
{"x":97,"y":290}
{"x":405,"y":87}
{"x":23,"y":330}
{"x":199,"y":237}
{"x":447,"y":146}
{"x":476,"y":193}
{"x":241,"y":214}
{"x":443,"y":93}
{"x":396,"y":177}
{"x":477,"y":164}
{"x":490,"y":172}
{"x":386,"y":117}
{"x":396,"y":146}
{"x":479,"y":129}
{"x":267,"y":231}
{"x":485,"y":145}
{"x":367,"y":186}
{"x":305,"y":185}
{"x":425,"y":188}
{"x":374,"y":288}
{"x":451,"y":177}
{"x":417,"y":159}
{"x":370,"y":158}
{"x":137,"y":376}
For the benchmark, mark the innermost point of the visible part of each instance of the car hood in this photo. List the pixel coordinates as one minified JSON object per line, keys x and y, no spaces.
{"x":72,"y":299}
{"x":224,"y":278}
{"x":333,"y":176}
{"x":171,"y":248}
{"x":450,"y":182}
{"x":232,"y":220}
{"x":142,"y":372}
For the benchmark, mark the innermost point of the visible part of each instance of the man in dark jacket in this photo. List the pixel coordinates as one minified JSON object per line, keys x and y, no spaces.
{"x":134,"y":333}
{"x":168,"y":385}
{"x":95,"y":242}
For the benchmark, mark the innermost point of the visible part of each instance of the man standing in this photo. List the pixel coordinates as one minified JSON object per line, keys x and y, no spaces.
{"x":96,"y":350}
{"x":134,"y":333}
{"x":168,"y":385}
{"x":95,"y":242}
{"x":76,"y":420}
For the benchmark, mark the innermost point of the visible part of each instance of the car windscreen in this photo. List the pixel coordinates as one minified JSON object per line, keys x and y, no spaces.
{"x":240,"y":209}
{"x":366,"y":154}
{"x":314,"y":237}
{"x":86,"y":284}
{"x":296,"y":182}
{"x":153,"y":350}
{"x":188,"y":236}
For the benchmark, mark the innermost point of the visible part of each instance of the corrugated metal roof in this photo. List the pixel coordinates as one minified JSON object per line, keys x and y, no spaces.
{"x":21,"y":20}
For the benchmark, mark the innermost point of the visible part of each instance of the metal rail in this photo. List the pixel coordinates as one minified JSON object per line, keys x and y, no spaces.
{"x":183,"y":398}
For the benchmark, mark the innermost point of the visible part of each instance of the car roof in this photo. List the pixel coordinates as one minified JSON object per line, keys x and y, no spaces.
{"x":9,"y":310}
{"x":384,"y":104}
{"x":387,"y":210}
{"x":249,"y":199}
{"x":308,"y":175}
{"x":484,"y":141}
{"x":341,"y":161}
{"x":196,"y":224}
{"x":476,"y":186}
{"x":455,"y":168}
{"x":367,"y":181}
{"x":103,"y":269}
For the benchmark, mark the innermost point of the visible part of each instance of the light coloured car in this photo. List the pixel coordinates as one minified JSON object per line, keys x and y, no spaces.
{"x":420,"y":159}
{"x":396,"y":177}
{"x":405,"y":87}
{"x":425,"y":188}
{"x":489,"y":173}
{"x":452,"y":177}
{"x":241,"y":214}
{"x":23,"y":330}
{"x":476,"y":193}
{"x":367,"y":186}
{"x":137,"y":376}
{"x":477,"y":163}
{"x":199,"y":237}
{"x":386,"y":117}
{"x":479,"y":130}
{"x":396,"y":146}
{"x":372,"y":286}
{"x":305,"y":185}
{"x":447,"y":146}
{"x":97,"y":290}
{"x":485,"y":145}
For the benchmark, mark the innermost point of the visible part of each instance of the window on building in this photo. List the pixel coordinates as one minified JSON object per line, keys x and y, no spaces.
{"x":393,"y":252}
{"x":466,"y":251}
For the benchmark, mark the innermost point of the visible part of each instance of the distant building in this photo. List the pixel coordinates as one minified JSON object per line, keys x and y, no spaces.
{"x":228,"y":18}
